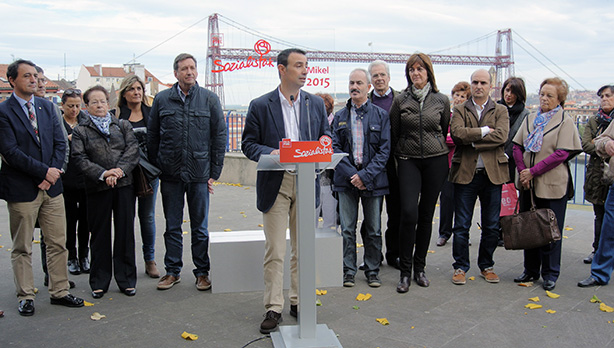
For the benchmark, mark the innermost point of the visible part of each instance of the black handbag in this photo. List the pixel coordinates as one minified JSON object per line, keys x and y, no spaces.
{"x":143,"y":175}
{"x":529,"y":229}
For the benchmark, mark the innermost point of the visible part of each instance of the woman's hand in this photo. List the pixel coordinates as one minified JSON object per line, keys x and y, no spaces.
{"x":111,"y":181}
{"x":115,"y":172}
{"x":526,"y":177}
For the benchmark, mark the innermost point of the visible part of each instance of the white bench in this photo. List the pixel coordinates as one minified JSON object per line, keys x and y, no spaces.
{"x":237,"y":258}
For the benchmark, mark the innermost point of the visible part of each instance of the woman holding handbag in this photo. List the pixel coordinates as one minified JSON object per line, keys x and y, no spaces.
{"x":544,"y":144}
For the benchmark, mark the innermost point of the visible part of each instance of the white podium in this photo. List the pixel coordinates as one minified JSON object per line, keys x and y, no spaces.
{"x":307,"y":334}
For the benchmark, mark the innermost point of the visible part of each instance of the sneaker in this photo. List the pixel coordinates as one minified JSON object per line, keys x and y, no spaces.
{"x":490,"y":276}
{"x":373,"y":281}
{"x":459,"y":277}
{"x":270,"y":322}
{"x":167,"y":282}
{"x":348,"y":280}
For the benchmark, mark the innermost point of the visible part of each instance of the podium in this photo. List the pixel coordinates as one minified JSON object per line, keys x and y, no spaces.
{"x":307,"y":334}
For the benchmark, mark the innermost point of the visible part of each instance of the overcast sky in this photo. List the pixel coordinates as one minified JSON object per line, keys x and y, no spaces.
{"x":575,"y":35}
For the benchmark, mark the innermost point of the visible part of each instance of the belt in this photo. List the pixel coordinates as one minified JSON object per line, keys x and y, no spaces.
{"x":480,"y":171}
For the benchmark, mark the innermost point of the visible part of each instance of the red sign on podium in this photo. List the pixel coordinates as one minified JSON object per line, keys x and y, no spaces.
{"x":306,"y":151}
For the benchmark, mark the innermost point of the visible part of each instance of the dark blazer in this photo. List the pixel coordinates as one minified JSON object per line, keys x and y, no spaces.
{"x":25,"y":160}
{"x":264,"y":129}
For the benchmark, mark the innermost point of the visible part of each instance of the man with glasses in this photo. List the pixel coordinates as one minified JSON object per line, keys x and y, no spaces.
{"x":33,"y":149}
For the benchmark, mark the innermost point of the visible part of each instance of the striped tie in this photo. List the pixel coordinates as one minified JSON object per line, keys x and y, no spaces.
{"x":32,"y":117}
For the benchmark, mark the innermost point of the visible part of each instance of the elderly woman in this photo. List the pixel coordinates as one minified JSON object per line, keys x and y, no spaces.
{"x":106,"y":151}
{"x":419,"y":118}
{"x":460,"y":94}
{"x":132,"y":106}
{"x":544,"y":144}
{"x":595,"y":188}
{"x":75,"y":202}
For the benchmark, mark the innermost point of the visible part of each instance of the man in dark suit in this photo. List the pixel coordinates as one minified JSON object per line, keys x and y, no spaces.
{"x":286,"y":112}
{"x":32,"y":146}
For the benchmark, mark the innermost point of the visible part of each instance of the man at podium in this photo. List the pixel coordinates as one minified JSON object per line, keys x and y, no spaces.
{"x":286,"y":112}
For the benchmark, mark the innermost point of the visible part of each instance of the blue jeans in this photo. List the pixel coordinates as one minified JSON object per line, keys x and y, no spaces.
{"x":371,"y":226}
{"x":147,"y":221}
{"x":603,"y":262}
{"x":465,"y":196}
{"x":197,"y":193}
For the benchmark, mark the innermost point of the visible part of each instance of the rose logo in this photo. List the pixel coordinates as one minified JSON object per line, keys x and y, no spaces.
{"x":325,"y":141}
{"x":262,"y":47}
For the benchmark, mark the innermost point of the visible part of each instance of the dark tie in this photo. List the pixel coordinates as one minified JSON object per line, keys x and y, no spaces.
{"x":32,"y":117}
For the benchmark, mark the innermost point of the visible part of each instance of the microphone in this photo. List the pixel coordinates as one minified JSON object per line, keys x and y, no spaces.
{"x":308,"y":116}
{"x":296,"y":119}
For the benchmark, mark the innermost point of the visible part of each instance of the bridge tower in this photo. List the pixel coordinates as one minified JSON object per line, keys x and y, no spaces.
{"x":505,"y":59}
{"x":214,"y":81}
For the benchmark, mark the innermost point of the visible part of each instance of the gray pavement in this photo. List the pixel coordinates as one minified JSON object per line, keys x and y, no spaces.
{"x":478,"y":314}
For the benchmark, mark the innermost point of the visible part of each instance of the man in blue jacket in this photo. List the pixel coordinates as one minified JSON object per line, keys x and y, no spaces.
{"x":186,"y":139}
{"x":362,"y":130}
{"x":33,"y":149}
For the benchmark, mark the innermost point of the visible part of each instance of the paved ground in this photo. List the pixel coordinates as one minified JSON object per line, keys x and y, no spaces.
{"x":444,"y":315}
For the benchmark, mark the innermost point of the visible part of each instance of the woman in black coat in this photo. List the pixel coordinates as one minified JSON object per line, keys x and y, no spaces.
{"x":106,"y":151}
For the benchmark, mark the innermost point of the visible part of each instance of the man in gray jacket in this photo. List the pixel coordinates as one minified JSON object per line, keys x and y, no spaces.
{"x":186,"y":139}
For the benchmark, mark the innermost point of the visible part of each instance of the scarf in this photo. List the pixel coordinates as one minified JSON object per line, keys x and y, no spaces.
{"x":102,"y":123}
{"x":421,"y":93}
{"x":535,"y":139}
{"x":603,"y":120}
{"x":514,"y":111}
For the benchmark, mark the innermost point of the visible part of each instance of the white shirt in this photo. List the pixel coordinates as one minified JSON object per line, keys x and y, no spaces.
{"x":385,"y":94}
{"x":291,"y":115}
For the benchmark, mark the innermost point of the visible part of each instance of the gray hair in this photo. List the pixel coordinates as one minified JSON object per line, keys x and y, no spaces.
{"x":379,"y":62}
{"x":364,"y":71}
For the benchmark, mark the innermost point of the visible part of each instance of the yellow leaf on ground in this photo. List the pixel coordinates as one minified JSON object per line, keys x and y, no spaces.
{"x":383,"y":321}
{"x":244,"y":215}
{"x":87,"y":304}
{"x":430,"y":251}
{"x":567,"y":228}
{"x":321,"y":292}
{"x":260,"y":225}
{"x":227,"y":230}
{"x":185,"y":232}
{"x":320,"y":219}
{"x":533,"y":306}
{"x":97,"y":316}
{"x":526,"y":285}
{"x":595,"y":299}
{"x":189,"y":336}
{"x":363,"y":297}
{"x":242,"y":212}
{"x":472,"y":278}
{"x":565,"y":237}
{"x":606,"y":308}
{"x":358,"y":245}
{"x":219,"y":217}
{"x":36,"y":241}
{"x":1,"y":246}
{"x":36,"y":290}
{"x":552,"y":295}
{"x":550,"y":311}
{"x":534,"y":299}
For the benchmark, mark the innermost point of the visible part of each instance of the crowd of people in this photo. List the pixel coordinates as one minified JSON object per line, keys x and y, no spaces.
{"x":78,"y":175}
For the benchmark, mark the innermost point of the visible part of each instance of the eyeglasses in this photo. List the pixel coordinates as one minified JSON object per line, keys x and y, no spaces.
{"x":72,"y":91}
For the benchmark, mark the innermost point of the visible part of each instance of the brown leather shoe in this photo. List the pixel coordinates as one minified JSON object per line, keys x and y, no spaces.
{"x":420,"y":278}
{"x":459,"y":277}
{"x":203,"y":283}
{"x":270,"y":322}
{"x":167,"y":282}
{"x":151,"y":269}
{"x":489,"y":275}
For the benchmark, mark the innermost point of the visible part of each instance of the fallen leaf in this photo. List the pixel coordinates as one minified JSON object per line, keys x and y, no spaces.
{"x":606,"y":308}
{"x":550,"y":311}
{"x":87,"y":304}
{"x":565,"y":237}
{"x":318,"y":302}
{"x":526,"y":285}
{"x":383,"y":321}
{"x":363,"y":297}
{"x":321,"y":292}
{"x":185,"y":232}
{"x":97,"y":316}
{"x":36,"y":241}
{"x":472,"y":278}
{"x":184,"y":221}
{"x":244,"y":215}
{"x":219,"y":217}
{"x":1,"y":246}
{"x":595,"y":299}
{"x":358,"y":245}
{"x":567,"y":228}
{"x":413,"y":327}
{"x":189,"y":336}
{"x":355,"y":307}
{"x":36,"y":290}
{"x":242,"y":212}
{"x":320,"y":219}
{"x":260,"y":225}
{"x":534,"y":299}
{"x":533,"y":306}
{"x":552,"y":295}
{"x":430,"y":251}
{"x":227,"y":230}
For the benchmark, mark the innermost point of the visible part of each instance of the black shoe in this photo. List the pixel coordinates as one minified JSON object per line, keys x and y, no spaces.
{"x":588,"y":282}
{"x":549,"y":284}
{"x":500,"y":243}
{"x":294,"y":310}
{"x":441,"y":241}
{"x":589,"y":258}
{"x":404,"y":284}
{"x":270,"y":322}
{"x":348,"y":280}
{"x":394,"y":262}
{"x":420,"y":278}
{"x":26,"y":308}
{"x":84,"y":263}
{"x":97,"y":293}
{"x":362,"y":266}
{"x":129,"y":291}
{"x":374,"y":281}
{"x":523,"y":278}
{"x":73,"y":267}
{"x":68,"y":301}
